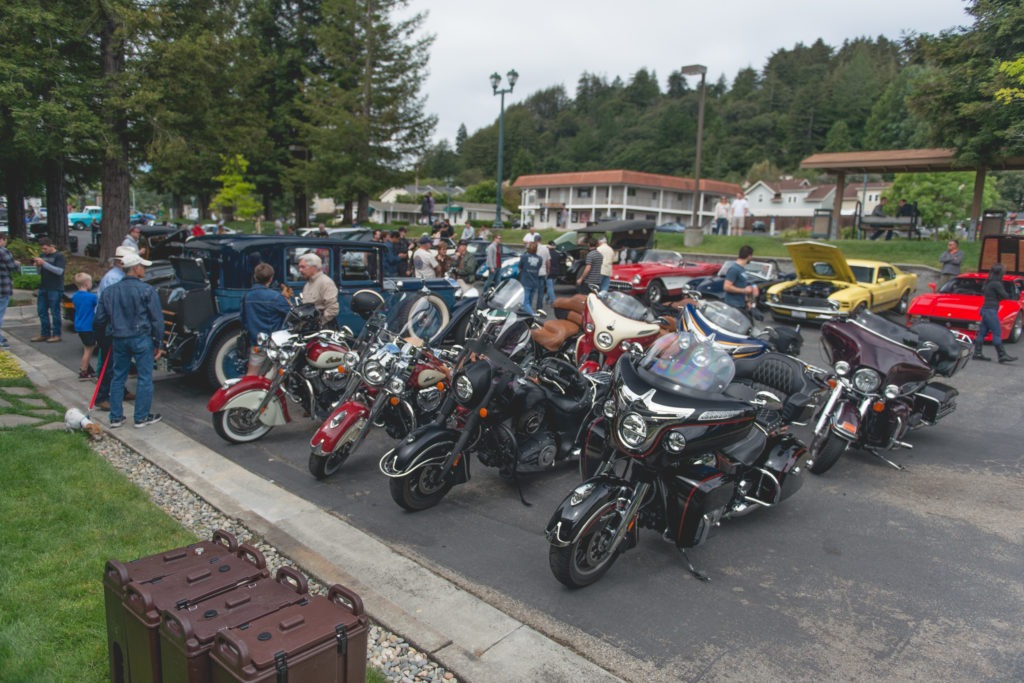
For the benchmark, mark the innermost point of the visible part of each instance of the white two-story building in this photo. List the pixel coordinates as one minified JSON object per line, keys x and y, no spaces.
{"x":790,"y":203}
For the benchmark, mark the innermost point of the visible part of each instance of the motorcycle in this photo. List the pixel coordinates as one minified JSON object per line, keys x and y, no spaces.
{"x":518,"y":420}
{"x":883,"y":385}
{"x":308,"y":370}
{"x":733,"y":331}
{"x":400,"y":386}
{"x":613,"y":322}
{"x":687,"y":438}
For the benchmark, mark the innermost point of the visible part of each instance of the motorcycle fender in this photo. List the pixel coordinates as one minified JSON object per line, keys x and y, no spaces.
{"x":579,"y":509}
{"x":343,"y":420}
{"x":846,"y":421}
{"x":248,"y":392}
{"x":417,"y":448}
{"x":783,"y":460}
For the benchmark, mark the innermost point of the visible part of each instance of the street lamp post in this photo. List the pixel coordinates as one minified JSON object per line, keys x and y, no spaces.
{"x":694,"y":234}
{"x":512,"y":76}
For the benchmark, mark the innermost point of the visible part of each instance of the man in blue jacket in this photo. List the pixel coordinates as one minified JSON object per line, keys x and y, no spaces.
{"x":263,"y":310}
{"x":130,"y":310}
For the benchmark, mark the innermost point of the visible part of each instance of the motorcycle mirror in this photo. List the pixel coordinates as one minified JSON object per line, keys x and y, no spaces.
{"x":767,"y":400}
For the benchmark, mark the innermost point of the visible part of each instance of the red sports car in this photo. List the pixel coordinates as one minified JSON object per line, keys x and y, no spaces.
{"x":957,"y":305}
{"x":658,"y":275}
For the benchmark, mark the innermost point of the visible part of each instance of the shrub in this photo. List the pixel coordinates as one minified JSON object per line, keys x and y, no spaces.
{"x":23,"y":250}
{"x":19,"y":281}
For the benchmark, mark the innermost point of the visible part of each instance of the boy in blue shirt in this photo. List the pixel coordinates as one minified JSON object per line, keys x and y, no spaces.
{"x":85,"y":309}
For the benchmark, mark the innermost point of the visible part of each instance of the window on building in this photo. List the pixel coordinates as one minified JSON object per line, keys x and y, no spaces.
{"x":631,"y":192}
{"x":583,"y":193}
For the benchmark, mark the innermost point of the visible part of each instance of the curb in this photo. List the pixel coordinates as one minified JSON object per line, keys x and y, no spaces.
{"x":466,"y":635}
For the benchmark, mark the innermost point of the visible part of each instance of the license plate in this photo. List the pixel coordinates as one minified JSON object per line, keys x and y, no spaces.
{"x":799,"y":314}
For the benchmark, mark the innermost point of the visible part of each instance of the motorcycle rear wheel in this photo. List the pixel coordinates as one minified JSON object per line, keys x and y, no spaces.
{"x":825,"y":455}
{"x":323,"y":465}
{"x":589,"y":557}
{"x":422,"y":488}
{"x":235,"y":425}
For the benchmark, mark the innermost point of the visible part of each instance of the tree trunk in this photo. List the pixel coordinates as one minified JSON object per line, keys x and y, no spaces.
{"x":56,"y":206}
{"x":346,"y":216}
{"x":116,"y":177}
{"x":15,"y":190}
{"x":363,"y":212}
{"x":301,"y":207}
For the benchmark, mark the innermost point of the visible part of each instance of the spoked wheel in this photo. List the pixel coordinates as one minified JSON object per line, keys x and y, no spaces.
{"x":588,"y":558}
{"x":655,"y":293}
{"x":422,"y":488}
{"x":323,"y":465}
{"x":239,"y":425}
{"x":825,"y":453}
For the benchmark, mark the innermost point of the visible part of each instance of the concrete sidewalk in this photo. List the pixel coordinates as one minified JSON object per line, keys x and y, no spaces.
{"x":465,"y":634}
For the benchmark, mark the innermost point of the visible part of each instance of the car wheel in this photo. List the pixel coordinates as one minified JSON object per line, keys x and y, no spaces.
{"x":1015,"y":331}
{"x":79,"y":225}
{"x":860,"y":308}
{"x":223,"y":362}
{"x":904,"y":303}
{"x":655,"y":293}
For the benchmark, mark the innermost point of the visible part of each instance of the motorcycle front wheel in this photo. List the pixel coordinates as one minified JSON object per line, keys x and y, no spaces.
{"x":422,"y":488}
{"x":239,"y":425}
{"x":826,"y":453}
{"x":590,"y":556}
{"x":323,"y":465}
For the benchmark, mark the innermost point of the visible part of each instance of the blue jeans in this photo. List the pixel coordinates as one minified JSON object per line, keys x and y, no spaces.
{"x":48,"y":306}
{"x":606,"y":282}
{"x":126,"y":349}
{"x":528,"y":299}
{"x":721,"y":226}
{"x":550,"y":287}
{"x":989,"y":323}
{"x":4,"y":300}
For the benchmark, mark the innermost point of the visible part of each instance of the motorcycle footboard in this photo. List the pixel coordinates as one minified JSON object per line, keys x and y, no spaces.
{"x":935,"y":401}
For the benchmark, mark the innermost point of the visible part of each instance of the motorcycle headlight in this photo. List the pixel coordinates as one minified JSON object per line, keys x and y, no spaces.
{"x":351,"y":358}
{"x":604,"y":339}
{"x":892,"y":391}
{"x":842,"y":368}
{"x":396,"y":386}
{"x":373,"y":372}
{"x":463,"y":389}
{"x":866,"y":380}
{"x":675,"y":442}
{"x":609,"y":408}
{"x":632,"y":430}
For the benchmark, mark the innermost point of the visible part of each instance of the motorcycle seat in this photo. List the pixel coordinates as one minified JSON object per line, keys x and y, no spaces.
{"x":782,"y":375}
{"x":945,"y":359}
{"x":747,"y":450}
{"x":565,"y":305}
{"x":554,"y":333}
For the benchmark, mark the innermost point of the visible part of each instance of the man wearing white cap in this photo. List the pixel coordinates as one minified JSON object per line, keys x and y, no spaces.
{"x":130,"y":310}
{"x":103,"y":340}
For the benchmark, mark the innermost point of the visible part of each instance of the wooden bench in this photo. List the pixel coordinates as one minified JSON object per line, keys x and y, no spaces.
{"x":907,"y":224}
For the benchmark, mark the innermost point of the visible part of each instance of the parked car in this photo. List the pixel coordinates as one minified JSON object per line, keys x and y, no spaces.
{"x":159,"y":274}
{"x":763,"y":273}
{"x":827,"y":285}
{"x":957,"y":304}
{"x":39,"y":229}
{"x":658,"y":275}
{"x":213,"y":272}
{"x":83,"y":220}
{"x":354,"y":234}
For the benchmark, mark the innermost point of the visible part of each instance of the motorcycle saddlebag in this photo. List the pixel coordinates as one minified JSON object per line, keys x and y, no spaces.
{"x":117,"y":576}
{"x":935,"y":401}
{"x":322,"y":640}
{"x":186,"y":636}
{"x":145,"y":603}
{"x":691,"y":510}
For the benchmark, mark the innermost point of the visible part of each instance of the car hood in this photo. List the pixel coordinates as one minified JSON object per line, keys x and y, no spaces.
{"x":952,"y":306}
{"x":806,"y":254}
{"x":627,"y":271}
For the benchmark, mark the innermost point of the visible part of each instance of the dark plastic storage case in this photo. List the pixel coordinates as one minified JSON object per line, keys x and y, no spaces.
{"x":322,"y":640}
{"x":187,"y":636}
{"x":117,"y":576}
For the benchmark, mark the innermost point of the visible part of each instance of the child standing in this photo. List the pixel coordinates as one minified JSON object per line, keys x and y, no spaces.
{"x":85,"y":309}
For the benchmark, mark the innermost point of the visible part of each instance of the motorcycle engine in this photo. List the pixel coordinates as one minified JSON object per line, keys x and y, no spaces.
{"x":428,"y":400}
{"x":333,"y":380}
{"x":537,"y":453}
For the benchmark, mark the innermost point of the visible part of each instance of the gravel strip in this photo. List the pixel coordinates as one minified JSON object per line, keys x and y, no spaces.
{"x":386,"y":651}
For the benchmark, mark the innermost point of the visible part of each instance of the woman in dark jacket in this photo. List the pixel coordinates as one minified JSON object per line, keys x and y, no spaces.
{"x":993,"y":292}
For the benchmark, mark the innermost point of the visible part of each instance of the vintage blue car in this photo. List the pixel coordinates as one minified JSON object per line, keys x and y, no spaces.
{"x":201,"y":308}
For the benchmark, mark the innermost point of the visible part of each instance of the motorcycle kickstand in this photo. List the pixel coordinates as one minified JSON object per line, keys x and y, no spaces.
{"x":701,"y":576}
{"x":886,"y":460}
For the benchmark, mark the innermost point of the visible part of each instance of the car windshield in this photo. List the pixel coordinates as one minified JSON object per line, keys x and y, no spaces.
{"x":863,"y":274}
{"x":689,"y":364}
{"x":509,"y":296}
{"x":668,"y":258}
{"x":963,"y":285}
{"x":625,"y":305}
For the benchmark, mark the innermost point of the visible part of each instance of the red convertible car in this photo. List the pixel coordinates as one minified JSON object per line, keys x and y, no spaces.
{"x":957,"y":304}
{"x":658,"y":275}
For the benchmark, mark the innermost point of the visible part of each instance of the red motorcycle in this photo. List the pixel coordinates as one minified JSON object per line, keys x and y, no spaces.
{"x":883,"y":385}
{"x":400,"y":386}
{"x":613,"y":323}
{"x":310,"y":367}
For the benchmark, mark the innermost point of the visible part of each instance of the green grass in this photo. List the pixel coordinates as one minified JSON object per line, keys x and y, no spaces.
{"x":65,"y":511}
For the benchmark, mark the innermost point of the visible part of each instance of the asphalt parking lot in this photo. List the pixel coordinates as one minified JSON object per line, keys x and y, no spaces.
{"x":866,"y":572}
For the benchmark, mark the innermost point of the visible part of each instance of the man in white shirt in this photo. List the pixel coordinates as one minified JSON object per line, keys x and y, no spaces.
{"x":531,"y":236}
{"x":607,"y":257}
{"x":740,"y":211}
{"x":424,"y":263}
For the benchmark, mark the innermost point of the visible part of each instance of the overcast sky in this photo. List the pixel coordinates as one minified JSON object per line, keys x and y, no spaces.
{"x":552,"y":42}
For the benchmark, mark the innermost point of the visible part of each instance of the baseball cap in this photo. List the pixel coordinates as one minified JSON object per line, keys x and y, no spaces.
{"x":133,"y":259}
{"x":425,"y":240}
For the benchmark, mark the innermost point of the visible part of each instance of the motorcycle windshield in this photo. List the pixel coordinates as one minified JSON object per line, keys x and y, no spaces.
{"x":726,"y":317}
{"x":625,"y":305}
{"x":688,"y":364}
{"x":509,"y":296}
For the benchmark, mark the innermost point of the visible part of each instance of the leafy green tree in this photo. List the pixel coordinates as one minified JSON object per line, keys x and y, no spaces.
{"x":236,"y":197}
{"x":460,"y":138}
{"x":942,"y":198}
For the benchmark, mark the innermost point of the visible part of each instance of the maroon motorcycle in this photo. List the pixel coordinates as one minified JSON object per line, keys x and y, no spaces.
{"x":883,"y":385}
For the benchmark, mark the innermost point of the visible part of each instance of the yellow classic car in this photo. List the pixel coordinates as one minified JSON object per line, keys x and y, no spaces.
{"x":827,"y":285}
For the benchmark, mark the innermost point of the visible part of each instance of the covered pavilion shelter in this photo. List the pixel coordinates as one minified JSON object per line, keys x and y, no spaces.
{"x":938,"y":160}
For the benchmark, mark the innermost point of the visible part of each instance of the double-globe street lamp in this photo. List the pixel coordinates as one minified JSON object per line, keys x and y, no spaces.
{"x":694,"y":235}
{"x":512,"y":76}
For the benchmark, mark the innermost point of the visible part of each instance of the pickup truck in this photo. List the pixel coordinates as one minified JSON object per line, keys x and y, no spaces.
{"x":83,"y":220}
